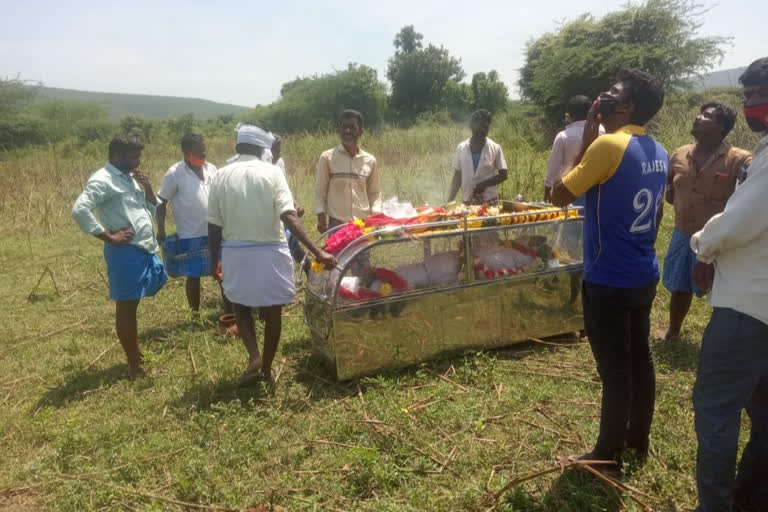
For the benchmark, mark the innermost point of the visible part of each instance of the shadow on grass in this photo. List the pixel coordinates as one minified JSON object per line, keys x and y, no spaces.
{"x":677,"y":353}
{"x":578,"y":491}
{"x":205,"y":395}
{"x":572,"y":491}
{"x":79,"y":383}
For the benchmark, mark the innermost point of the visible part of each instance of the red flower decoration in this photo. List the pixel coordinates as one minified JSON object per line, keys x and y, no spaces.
{"x":489,"y":274}
{"x":343,"y":237}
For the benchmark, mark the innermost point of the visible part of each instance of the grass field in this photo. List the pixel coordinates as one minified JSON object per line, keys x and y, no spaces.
{"x":443,"y":436}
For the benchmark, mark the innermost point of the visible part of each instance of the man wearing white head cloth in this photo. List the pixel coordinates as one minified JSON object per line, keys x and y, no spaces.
{"x":251,"y":134}
{"x":247,"y":201}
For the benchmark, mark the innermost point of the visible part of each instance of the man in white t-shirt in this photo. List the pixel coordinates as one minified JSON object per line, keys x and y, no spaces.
{"x":479,"y":164}
{"x":186,"y":185}
{"x":567,"y":144}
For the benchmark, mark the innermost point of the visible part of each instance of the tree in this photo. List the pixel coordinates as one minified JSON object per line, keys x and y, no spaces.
{"x":585,"y":54}
{"x":315,"y":102}
{"x":408,"y":40}
{"x":489,"y":92}
{"x":419,"y":76}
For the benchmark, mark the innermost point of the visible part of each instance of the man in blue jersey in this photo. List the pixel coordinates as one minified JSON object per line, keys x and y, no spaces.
{"x":623,"y":174}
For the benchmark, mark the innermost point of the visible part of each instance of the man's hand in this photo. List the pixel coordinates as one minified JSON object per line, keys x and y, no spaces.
{"x":120,"y":237}
{"x":142,"y":179}
{"x":299,"y":210}
{"x":322,"y":223}
{"x":592,"y":126}
{"x":161,"y":236}
{"x":327,"y":259}
{"x":704,"y":275}
{"x":217,"y":273}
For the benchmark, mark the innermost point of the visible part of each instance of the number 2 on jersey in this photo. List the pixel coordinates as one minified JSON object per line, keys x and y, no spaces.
{"x":644,"y":203}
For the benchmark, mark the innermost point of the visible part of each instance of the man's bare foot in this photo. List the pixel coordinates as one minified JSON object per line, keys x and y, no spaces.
{"x":669,"y":335}
{"x":136,"y":371}
{"x":272,"y":374}
{"x":252,"y":373}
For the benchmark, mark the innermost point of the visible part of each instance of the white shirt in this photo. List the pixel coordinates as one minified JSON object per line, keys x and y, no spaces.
{"x":491,"y":161}
{"x":736,"y":240}
{"x":247,"y":198}
{"x":565,"y":149}
{"x":188,"y":195}
{"x":281,"y":164}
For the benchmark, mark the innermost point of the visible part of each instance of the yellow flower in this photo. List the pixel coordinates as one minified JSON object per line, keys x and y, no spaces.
{"x":317,"y":267}
{"x":474,"y":224}
{"x":367,"y":230}
{"x":385,"y":289}
{"x":506,"y":221}
{"x":359,"y":222}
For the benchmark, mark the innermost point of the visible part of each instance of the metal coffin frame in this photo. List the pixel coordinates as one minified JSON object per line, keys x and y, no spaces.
{"x":401,"y":330}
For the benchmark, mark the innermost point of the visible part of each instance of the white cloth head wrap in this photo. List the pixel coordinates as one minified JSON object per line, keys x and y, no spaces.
{"x":250,"y":134}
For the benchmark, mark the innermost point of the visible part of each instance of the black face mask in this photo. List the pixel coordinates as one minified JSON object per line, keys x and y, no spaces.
{"x":607,"y":105}
{"x":125,"y":165}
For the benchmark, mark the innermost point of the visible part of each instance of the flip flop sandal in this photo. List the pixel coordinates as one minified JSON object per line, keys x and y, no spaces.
{"x":275,"y":373}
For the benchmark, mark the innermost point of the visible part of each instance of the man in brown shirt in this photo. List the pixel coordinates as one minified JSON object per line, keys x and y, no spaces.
{"x":701,"y":178}
{"x":347,"y":181}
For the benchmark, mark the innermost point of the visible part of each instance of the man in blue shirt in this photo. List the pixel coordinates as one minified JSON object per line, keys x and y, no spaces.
{"x":623,"y":174}
{"x":122,"y":198}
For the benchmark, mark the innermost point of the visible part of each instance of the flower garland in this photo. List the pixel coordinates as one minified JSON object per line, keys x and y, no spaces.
{"x":390,"y":282}
{"x":344,"y":236}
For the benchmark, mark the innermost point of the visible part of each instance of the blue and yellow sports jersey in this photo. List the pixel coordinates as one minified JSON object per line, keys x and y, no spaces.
{"x":624,"y":175}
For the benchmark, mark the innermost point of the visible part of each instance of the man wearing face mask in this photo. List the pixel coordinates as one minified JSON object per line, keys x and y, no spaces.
{"x":623,"y":174}
{"x":122,"y":198}
{"x":732,"y":250}
{"x":701,"y":178}
{"x":185,"y":185}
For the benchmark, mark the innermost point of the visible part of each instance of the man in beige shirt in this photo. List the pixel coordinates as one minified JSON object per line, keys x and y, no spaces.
{"x":347,"y":181}
{"x":701,"y":178}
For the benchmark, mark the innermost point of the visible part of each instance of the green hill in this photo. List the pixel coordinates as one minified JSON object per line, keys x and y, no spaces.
{"x":153,"y":107}
{"x":716,"y":79}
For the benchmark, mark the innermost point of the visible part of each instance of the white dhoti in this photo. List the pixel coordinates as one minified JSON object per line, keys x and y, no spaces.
{"x":257,"y":275}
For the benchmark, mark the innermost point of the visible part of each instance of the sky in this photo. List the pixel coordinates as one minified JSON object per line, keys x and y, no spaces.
{"x":242,"y":52}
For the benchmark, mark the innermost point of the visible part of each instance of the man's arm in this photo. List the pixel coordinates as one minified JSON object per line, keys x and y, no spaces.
{"x":214,"y":245}
{"x":94,"y":194}
{"x":166,"y":193}
{"x":741,"y":222}
{"x":600,"y":161}
{"x":161,"y":211}
{"x":373,"y":187}
{"x":554,"y":165}
{"x":322,"y":178}
{"x":291,"y":221}
{"x":500,"y":177}
{"x":143,"y":180}
{"x":455,"y":185}
{"x":669,"y":193}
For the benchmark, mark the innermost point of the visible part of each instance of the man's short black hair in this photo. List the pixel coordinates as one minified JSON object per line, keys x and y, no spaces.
{"x":351,"y":114}
{"x":644,"y":91}
{"x":191,"y":141}
{"x":123,"y":143}
{"x":725,"y":115}
{"x":578,"y":107}
{"x":243,"y":148}
{"x":756,"y":73}
{"x":480,"y":115}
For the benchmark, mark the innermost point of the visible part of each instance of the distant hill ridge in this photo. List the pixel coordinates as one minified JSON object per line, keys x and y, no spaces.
{"x":119,"y":105}
{"x":716,"y":79}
